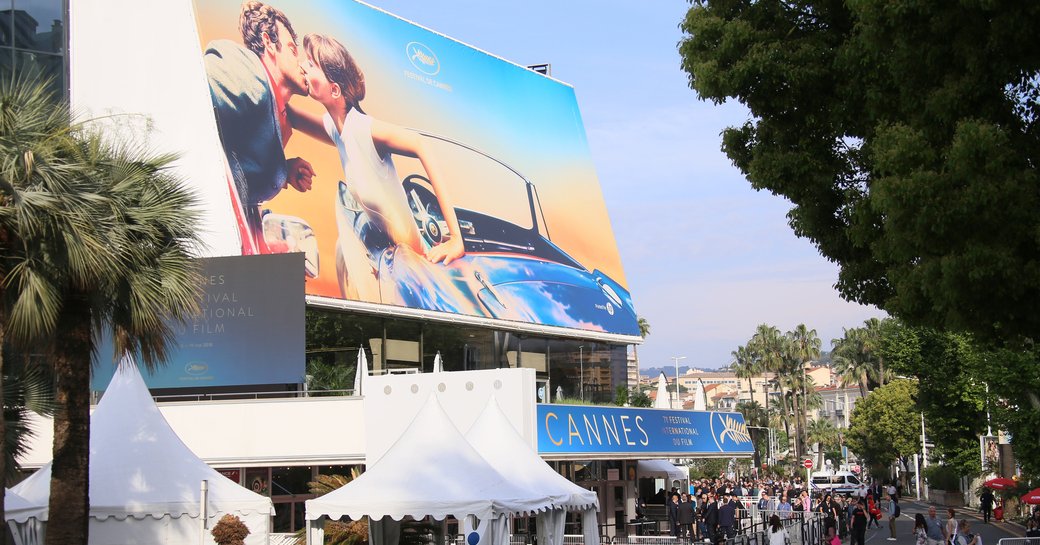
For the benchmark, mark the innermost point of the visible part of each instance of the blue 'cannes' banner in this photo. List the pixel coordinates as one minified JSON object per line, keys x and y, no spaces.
{"x":585,"y":429}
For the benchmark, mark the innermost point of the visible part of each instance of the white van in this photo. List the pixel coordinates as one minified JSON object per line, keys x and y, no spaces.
{"x":837,"y":482}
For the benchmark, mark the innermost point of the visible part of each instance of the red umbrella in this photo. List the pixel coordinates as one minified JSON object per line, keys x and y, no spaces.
{"x":1000,"y":483}
{"x":1032,"y":497}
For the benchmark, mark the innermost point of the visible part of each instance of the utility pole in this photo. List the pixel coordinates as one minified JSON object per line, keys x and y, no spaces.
{"x":924,"y":453}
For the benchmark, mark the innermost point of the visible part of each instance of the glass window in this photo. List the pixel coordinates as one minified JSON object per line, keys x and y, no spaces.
{"x":47,"y":65}
{"x":290,"y":480}
{"x":461,"y":348}
{"x":402,"y":346}
{"x":38,"y":25}
{"x":332,"y":340}
{"x":6,"y":22}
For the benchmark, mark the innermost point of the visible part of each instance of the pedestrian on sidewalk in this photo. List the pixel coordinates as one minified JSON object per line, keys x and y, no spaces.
{"x":936,"y":533}
{"x":986,"y":501}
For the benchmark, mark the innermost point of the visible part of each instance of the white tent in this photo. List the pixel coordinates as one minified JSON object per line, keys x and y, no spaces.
{"x":361,"y":373}
{"x":431,"y":470}
{"x":145,"y":484}
{"x":495,"y":438}
{"x":700,"y":401}
{"x":24,"y":519}
{"x":663,"y":469}
{"x":663,"y":400}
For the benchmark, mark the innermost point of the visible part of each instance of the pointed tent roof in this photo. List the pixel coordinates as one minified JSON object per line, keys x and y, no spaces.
{"x":139,"y":467}
{"x":361,"y":374}
{"x":430,"y":470}
{"x":663,"y":400}
{"x":495,"y":438}
{"x":19,"y":509}
{"x":699,"y":399}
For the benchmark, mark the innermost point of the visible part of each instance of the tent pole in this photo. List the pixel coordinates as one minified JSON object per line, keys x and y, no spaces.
{"x":204,"y":489}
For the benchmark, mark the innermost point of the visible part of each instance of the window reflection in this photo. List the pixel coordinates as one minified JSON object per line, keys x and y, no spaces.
{"x":44,"y":65}
{"x":37,"y":25}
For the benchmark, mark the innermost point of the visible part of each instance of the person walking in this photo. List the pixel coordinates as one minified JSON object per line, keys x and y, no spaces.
{"x":893,"y":514}
{"x":686,"y":517}
{"x":986,"y":500}
{"x":711,"y":519}
{"x":673,"y":515}
{"x":934,"y":528}
{"x":859,"y":524}
{"x":920,"y":530}
{"x":951,"y":525}
{"x":777,"y":532}
{"x":727,"y":518}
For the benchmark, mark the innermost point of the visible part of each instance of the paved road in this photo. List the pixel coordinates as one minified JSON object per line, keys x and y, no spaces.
{"x":990,"y":533}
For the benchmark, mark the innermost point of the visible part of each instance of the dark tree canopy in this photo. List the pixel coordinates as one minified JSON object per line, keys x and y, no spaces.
{"x":904,"y":134}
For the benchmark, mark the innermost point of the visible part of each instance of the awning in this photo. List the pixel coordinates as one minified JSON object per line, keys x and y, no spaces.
{"x":662,"y":468}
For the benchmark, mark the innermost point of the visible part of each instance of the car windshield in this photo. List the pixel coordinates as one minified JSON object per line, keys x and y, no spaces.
{"x":853,"y":480}
{"x":479,"y":183}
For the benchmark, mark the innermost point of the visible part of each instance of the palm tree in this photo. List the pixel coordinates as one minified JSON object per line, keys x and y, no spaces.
{"x":90,"y":234}
{"x":823,"y":433}
{"x":644,"y":330}
{"x":47,"y":218}
{"x":766,"y":347}
{"x":805,"y":348}
{"x":152,"y":283}
{"x":745,"y":365}
{"x":852,"y":362}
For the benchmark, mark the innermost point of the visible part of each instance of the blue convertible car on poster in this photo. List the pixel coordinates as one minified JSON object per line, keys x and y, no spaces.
{"x":511,"y":269}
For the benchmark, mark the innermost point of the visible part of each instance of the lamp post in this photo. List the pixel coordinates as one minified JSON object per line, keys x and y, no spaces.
{"x":581,"y":364}
{"x":676,"y":360}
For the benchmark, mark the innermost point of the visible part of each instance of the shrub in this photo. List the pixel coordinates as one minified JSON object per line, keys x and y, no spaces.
{"x":230,"y":530}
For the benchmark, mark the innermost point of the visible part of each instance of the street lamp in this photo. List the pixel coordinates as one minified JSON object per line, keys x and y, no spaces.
{"x":581,"y":364}
{"x":676,"y":360}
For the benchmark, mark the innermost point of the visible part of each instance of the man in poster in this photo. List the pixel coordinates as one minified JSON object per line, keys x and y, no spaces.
{"x":251,"y":87}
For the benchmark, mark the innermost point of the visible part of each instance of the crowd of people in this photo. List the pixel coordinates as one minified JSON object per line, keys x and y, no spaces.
{"x":714,"y":510}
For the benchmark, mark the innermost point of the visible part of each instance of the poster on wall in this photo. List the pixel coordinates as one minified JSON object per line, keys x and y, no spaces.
{"x":250,"y":329}
{"x":411,"y":169}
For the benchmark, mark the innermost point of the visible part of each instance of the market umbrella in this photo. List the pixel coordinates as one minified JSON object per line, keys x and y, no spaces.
{"x":1000,"y":483}
{"x":1032,"y":497}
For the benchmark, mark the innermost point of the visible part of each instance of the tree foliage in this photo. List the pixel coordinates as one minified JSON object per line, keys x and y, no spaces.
{"x":884,"y":426}
{"x":905,"y":134}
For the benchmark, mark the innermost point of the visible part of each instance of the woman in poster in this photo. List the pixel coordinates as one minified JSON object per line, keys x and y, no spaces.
{"x":366,"y":147}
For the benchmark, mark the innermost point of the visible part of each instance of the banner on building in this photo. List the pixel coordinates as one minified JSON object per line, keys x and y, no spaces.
{"x":622,"y":432}
{"x":412,"y":170}
{"x":250,"y":329}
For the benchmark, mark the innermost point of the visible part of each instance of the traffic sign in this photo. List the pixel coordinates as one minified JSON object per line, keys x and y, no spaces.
{"x":807,"y":464}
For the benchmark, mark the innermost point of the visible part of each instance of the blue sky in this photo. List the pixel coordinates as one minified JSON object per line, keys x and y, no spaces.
{"x":707,"y":258}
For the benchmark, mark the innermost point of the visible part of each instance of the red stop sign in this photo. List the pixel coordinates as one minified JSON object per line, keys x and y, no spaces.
{"x":807,"y":463}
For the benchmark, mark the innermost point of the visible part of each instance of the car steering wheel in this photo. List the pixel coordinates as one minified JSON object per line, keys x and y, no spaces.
{"x":426,"y":210}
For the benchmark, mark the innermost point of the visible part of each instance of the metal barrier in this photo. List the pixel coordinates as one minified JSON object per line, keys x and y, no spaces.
{"x":1019,"y":541}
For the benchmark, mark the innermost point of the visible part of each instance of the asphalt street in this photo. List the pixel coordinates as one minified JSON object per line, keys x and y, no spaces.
{"x":991,"y":533}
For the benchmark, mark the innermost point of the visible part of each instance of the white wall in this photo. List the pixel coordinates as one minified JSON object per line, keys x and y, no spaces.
{"x":391,"y":401}
{"x":297,"y":431}
{"x":137,"y":65}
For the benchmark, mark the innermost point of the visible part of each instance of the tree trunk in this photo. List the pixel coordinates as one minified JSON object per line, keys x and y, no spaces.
{"x":797,"y":426}
{"x":70,"y":470}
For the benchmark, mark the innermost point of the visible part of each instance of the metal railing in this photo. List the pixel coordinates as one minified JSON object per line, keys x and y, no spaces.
{"x":1019,"y":541}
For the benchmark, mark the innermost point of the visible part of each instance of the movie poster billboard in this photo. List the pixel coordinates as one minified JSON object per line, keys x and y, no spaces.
{"x":411,"y":169}
{"x":250,"y":329}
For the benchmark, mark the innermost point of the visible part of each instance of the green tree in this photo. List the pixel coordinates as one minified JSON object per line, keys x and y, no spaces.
{"x":640,"y":399}
{"x":39,"y":202}
{"x":904,"y":134}
{"x":804,"y":346}
{"x":823,"y":433}
{"x":859,"y":356}
{"x":884,"y":426}
{"x":95,"y":236}
{"x":746,"y":365}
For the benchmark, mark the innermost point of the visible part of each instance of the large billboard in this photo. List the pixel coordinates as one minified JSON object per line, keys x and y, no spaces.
{"x":250,"y":329}
{"x":619,"y":432}
{"x":413,"y":170}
